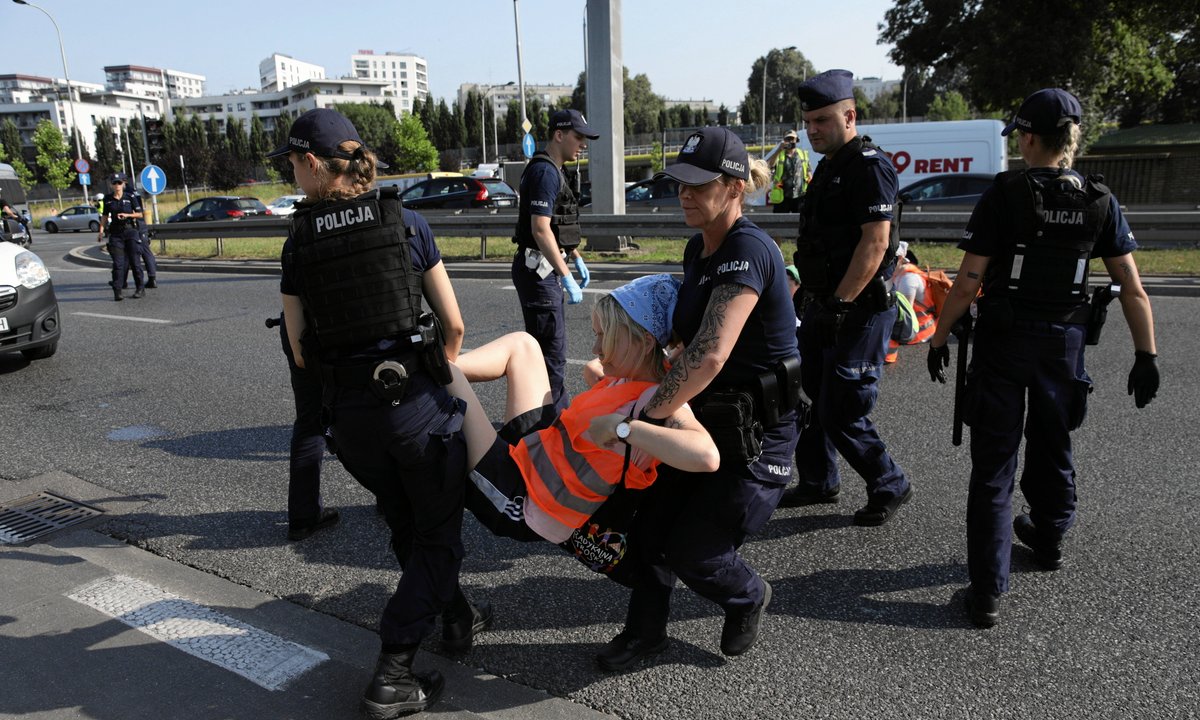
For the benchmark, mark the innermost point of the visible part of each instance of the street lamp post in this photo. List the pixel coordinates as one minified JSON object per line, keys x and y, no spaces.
{"x":766,"y":64}
{"x":67,"y":76}
{"x":495,"y":137}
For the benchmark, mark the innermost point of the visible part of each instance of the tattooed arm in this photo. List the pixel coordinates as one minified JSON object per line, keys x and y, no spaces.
{"x":726,"y":314}
{"x":966,"y":287}
{"x":1135,"y":304}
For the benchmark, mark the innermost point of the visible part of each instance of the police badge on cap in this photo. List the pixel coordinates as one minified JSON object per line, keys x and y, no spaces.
{"x":707,"y":155}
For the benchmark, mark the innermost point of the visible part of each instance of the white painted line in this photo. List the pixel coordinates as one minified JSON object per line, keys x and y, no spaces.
{"x":259,"y":656}
{"x":122,"y":317}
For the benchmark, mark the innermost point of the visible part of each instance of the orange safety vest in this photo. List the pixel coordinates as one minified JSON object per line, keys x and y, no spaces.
{"x":926,"y":319}
{"x":567,"y":475}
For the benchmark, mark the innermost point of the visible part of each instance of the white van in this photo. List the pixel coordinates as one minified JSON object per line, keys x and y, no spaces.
{"x":920,"y":150}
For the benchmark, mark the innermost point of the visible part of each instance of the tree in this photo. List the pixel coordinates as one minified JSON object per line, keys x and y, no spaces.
{"x":109,"y":158}
{"x":1182,"y":103}
{"x":722,"y":115}
{"x":376,"y":125}
{"x":10,"y":141}
{"x":862,"y":104}
{"x":53,"y":158}
{"x":786,"y":69}
{"x":642,"y":105}
{"x":260,"y":142}
{"x":949,"y":106}
{"x":416,"y":152}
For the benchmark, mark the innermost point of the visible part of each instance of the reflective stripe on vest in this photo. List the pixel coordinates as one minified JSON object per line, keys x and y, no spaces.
{"x":568,"y":476}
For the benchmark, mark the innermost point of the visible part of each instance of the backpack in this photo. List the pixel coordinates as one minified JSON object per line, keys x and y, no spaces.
{"x":906,"y":328}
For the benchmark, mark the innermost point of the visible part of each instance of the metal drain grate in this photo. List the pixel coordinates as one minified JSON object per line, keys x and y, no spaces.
{"x":36,"y":515}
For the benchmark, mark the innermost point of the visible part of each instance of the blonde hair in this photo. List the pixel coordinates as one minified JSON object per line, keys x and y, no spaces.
{"x":760,"y":175}
{"x":1064,"y":143}
{"x":618,"y":327}
{"x":358,"y":172}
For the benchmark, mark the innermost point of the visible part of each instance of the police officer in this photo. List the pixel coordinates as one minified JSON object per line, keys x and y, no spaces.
{"x":356,"y":271}
{"x":791,"y":174}
{"x":547,"y":235}
{"x":845,"y":253}
{"x":735,"y":317}
{"x":1027,"y":245}
{"x":120,"y":217}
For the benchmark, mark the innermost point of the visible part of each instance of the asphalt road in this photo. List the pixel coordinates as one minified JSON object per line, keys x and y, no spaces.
{"x":182,"y":399}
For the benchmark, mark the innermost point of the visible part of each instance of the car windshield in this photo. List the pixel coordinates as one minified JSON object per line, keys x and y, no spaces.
{"x":249,"y":204}
{"x":498,"y":186}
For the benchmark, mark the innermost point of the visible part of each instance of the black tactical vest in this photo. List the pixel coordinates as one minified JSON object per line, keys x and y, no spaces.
{"x":1053,"y":224}
{"x":564,"y":223}
{"x":354,"y":270}
{"x":828,"y":236}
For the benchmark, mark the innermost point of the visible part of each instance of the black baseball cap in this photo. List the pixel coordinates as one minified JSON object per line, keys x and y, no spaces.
{"x":116,"y":178}
{"x":707,"y":155}
{"x":319,"y":132}
{"x":572,"y":120}
{"x":1045,"y":111}
{"x":826,"y":89}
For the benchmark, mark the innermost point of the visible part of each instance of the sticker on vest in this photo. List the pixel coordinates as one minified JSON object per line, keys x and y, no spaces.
{"x":345,"y":219}
{"x":600,"y":549}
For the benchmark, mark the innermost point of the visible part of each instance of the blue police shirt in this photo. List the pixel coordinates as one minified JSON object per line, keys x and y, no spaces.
{"x":129,"y":203}
{"x":539,"y":188}
{"x":748,"y":257}
{"x":986,"y":235}
{"x":857,"y":199}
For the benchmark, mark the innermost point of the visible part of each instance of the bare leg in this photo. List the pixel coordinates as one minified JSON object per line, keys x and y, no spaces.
{"x":476,"y":427}
{"x":517,"y":357}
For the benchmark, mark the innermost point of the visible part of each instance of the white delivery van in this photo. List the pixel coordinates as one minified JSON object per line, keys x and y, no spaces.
{"x":924,"y":149}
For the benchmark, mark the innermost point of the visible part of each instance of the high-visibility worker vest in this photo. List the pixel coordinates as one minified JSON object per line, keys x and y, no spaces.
{"x":926,"y":317}
{"x":567,"y":475}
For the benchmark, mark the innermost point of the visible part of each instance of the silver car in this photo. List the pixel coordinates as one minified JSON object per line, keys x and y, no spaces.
{"x":80,"y":217}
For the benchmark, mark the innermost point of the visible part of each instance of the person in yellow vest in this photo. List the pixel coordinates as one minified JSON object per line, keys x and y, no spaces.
{"x":544,"y":475}
{"x":791,"y":175}
{"x":912,"y":282}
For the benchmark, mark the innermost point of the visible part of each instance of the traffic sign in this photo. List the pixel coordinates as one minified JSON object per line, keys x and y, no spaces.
{"x":85,"y":178}
{"x":526,"y":126}
{"x":153,"y":179}
{"x":527,"y":145}
{"x":81,"y":166}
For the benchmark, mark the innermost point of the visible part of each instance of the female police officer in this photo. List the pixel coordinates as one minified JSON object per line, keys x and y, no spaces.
{"x":1028,"y":244}
{"x":739,"y":371}
{"x":355,"y":270}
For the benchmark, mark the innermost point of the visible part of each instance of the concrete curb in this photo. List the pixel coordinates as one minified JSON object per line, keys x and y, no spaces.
{"x":1157,"y":285}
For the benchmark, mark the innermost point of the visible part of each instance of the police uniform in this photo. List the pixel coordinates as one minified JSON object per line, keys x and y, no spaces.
{"x":123,"y":235}
{"x":691,"y":525}
{"x":545,"y":192}
{"x":853,"y":186}
{"x":1030,"y":340}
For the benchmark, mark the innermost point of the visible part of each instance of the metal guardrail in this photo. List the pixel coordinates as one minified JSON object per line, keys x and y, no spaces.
{"x":1153,"y":228}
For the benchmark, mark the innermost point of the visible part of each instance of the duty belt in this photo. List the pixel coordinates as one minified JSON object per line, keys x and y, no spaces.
{"x":387,"y":379}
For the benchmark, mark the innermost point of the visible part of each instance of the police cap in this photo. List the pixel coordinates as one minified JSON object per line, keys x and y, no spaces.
{"x":1045,"y":111}
{"x":116,"y":178}
{"x":708,"y":154}
{"x":319,"y":132}
{"x":572,"y":120}
{"x":826,"y":89}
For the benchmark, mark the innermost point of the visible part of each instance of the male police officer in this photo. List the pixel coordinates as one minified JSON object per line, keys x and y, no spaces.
{"x":844,"y":255}
{"x":121,"y":216}
{"x":790,"y":167}
{"x":547,"y":234}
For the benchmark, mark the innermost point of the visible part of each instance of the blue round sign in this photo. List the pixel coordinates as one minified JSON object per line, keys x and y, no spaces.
{"x":527,"y":145}
{"x":153,"y":180}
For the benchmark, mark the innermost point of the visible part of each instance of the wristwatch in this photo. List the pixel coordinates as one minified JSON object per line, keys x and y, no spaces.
{"x":623,"y":428}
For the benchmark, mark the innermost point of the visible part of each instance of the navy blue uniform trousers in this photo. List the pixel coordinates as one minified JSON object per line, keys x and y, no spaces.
{"x":122,"y":248}
{"x":691,"y":525}
{"x":1044,"y":362}
{"x":307,"y":448}
{"x":412,"y":456}
{"x":545,"y":319}
{"x":843,"y":384}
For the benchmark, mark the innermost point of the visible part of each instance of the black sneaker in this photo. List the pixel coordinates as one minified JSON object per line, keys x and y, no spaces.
{"x":300,"y":530}
{"x":741,"y":628}
{"x":1047,"y":549}
{"x":458,"y":635}
{"x":982,"y":608}
{"x":627,"y":648}
{"x":878,"y":511}
{"x":801,"y":496}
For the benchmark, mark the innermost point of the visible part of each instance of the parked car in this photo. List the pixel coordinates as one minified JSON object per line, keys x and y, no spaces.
{"x":80,"y":217}
{"x":649,"y":195}
{"x":220,"y":207}
{"x":459,"y":192}
{"x":28,"y":308}
{"x":963,"y":189}
{"x":285,"y":205}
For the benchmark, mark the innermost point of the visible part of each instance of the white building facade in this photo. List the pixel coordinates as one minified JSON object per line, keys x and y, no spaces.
{"x":407,"y":74}
{"x":280,"y":72}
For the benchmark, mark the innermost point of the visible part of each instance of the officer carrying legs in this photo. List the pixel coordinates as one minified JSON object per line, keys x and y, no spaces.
{"x":121,"y":217}
{"x":1027,"y":245}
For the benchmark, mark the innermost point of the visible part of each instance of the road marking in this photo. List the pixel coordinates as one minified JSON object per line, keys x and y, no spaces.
{"x":265,"y":659}
{"x":122,"y":317}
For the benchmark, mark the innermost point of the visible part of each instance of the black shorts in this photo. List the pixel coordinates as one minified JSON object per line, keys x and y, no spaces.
{"x":496,"y":492}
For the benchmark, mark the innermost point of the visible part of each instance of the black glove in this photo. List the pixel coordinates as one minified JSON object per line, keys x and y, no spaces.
{"x":938,"y":361}
{"x":827,"y":320}
{"x":1143,"y":378}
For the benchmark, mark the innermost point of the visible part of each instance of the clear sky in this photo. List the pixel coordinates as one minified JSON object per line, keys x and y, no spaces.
{"x":690,"y":49}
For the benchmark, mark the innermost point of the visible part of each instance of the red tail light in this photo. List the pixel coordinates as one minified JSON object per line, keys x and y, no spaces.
{"x":235,"y":213}
{"x":483,"y":193}
{"x":267,"y":212}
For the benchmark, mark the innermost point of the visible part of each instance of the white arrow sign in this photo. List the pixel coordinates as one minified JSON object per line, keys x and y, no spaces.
{"x":153,"y":179}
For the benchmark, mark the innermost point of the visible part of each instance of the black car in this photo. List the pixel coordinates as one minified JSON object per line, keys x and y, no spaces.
{"x":221,"y":207}
{"x":459,"y":192}
{"x":963,"y":189}
{"x":650,"y":195}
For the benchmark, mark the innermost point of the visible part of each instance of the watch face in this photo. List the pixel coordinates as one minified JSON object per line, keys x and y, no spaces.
{"x":622,"y":430}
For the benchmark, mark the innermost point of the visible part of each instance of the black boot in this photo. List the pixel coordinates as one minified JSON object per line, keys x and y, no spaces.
{"x":117,"y":294}
{"x":462,"y":621}
{"x":396,"y":689}
{"x":741,"y":626}
{"x":150,"y":284}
